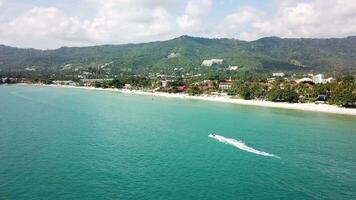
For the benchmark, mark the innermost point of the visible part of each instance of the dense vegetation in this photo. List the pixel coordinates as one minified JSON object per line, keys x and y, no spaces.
{"x":342,"y":92}
{"x":146,"y":65}
{"x":266,"y":54}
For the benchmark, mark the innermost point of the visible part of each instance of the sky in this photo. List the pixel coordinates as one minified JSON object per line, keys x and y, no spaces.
{"x":49,"y":24}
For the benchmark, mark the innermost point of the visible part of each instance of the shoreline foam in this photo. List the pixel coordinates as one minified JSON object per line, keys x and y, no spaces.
{"x":325,"y":108}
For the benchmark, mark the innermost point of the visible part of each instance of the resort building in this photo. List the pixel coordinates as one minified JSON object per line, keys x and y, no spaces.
{"x":205,"y":85}
{"x":71,"y":83}
{"x":173,"y":55}
{"x":318,"y":79}
{"x":165,"y":83}
{"x":96,"y":80}
{"x":330,"y":80}
{"x":233,"y":68}
{"x":226,"y":85}
{"x":30,"y":69}
{"x":209,"y":63}
{"x":305,"y":80}
{"x":127,"y":86}
{"x":279,"y":74}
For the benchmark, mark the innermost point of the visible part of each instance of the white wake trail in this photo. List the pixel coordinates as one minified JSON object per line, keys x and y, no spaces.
{"x":240,"y":145}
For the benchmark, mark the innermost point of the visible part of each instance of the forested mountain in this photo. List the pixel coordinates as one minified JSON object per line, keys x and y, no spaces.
{"x":187,"y":52}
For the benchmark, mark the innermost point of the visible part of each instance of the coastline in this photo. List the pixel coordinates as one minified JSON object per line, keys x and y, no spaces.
{"x":324,"y":108}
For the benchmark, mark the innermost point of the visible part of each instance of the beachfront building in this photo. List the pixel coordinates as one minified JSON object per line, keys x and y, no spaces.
{"x":205,"y":85}
{"x":209,"y":63}
{"x":319,"y":79}
{"x":330,"y":80}
{"x":71,"y":83}
{"x":225,"y":85}
{"x":165,"y":83}
{"x":127,"y":86}
{"x":8,"y":80}
{"x":96,"y":80}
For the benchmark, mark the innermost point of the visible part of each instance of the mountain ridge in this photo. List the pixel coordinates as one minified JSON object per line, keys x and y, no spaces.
{"x":266,"y":54}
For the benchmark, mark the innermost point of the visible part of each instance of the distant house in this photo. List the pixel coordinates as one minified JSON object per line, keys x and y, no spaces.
{"x":225,"y":85}
{"x":127,"y":86}
{"x":173,"y":55}
{"x":30,"y":69}
{"x":233,"y":68}
{"x":330,"y":80}
{"x":165,"y":83}
{"x":279,"y":74}
{"x":96,"y":80}
{"x":205,"y":85}
{"x":182,"y":88}
{"x":71,"y":83}
{"x":209,"y":63}
{"x":9,"y":80}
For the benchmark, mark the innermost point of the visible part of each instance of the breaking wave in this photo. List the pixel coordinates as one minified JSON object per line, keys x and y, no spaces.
{"x":241,"y":145}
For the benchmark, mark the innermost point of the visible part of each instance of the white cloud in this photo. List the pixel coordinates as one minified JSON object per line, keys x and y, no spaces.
{"x":243,"y":16}
{"x":116,"y":21}
{"x":187,"y":22}
{"x":42,"y":22}
{"x":198,"y":7}
{"x":190,"y":22}
{"x":313,"y":18}
{"x":127,"y":20}
{"x":318,"y":18}
{"x":123,"y":21}
{"x":239,"y":24}
{"x":125,"y":3}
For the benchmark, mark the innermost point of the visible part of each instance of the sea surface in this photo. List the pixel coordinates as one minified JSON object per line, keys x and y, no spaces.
{"x":60,"y":143}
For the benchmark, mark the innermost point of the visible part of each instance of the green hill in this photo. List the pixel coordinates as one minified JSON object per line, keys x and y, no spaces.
{"x":266,"y":54}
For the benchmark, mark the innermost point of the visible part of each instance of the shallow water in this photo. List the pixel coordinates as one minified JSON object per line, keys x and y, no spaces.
{"x":60,"y":143}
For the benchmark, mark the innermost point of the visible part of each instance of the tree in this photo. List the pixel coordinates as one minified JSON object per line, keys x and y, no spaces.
{"x":257,"y":90}
{"x":117,"y":83}
{"x":7,"y":81}
{"x":178,"y":82}
{"x":195,"y":90}
{"x":344,"y":94}
{"x":289,"y":95}
{"x":283,"y":95}
{"x":245,"y":92}
{"x":48,"y":81}
{"x":97,"y":84}
{"x":274,"y":94}
{"x":347,"y":79}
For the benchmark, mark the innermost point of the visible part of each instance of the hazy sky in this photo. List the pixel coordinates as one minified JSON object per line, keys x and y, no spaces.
{"x":54,"y":23}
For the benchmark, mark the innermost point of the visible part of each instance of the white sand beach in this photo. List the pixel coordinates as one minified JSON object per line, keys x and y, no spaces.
{"x":225,"y":99}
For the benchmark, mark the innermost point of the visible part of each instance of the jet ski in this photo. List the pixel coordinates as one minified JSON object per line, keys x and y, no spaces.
{"x":212,"y":135}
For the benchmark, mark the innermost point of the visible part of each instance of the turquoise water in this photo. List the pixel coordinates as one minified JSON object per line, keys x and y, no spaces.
{"x":58,"y":143}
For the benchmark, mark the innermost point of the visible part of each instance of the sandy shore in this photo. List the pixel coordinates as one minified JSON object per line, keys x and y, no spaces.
{"x":224,"y":99}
